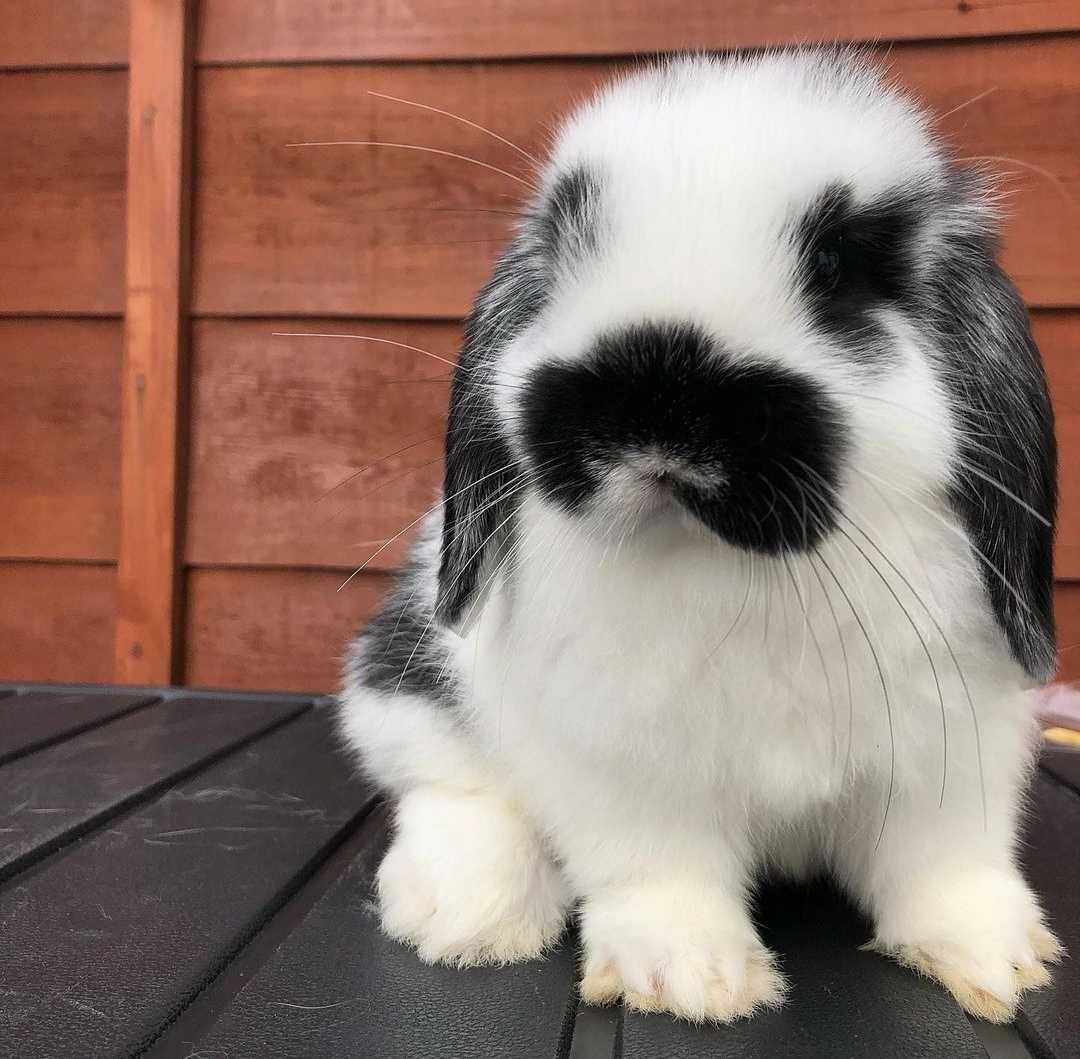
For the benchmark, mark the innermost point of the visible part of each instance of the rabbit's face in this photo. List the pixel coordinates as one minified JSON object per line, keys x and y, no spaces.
{"x":754,"y":299}
{"x":733,"y":261}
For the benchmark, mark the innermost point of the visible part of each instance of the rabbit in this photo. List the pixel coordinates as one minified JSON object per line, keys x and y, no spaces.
{"x":742,"y":564}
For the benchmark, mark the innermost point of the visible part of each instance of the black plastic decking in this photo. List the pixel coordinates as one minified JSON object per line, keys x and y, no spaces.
{"x":189,"y":874}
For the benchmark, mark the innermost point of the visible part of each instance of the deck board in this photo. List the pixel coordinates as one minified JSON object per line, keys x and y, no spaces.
{"x":109,"y":940}
{"x":54,"y":795}
{"x":32,"y":721}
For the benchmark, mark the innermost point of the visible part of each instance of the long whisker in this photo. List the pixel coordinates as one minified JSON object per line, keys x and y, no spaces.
{"x":418,"y":147}
{"x":884,"y":691}
{"x":976,"y":551}
{"x":967,"y":103}
{"x":464,"y":121}
{"x":399,"y":345}
{"x":896,"y":598}
{"x":1054,"y":179}
{"x":944,"y":639}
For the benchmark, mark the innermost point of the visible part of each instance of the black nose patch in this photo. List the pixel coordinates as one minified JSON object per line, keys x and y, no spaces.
{"x":764,"y":442}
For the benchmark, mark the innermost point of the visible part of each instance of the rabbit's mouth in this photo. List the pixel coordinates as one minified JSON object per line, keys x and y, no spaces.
{"x":658,"y":417}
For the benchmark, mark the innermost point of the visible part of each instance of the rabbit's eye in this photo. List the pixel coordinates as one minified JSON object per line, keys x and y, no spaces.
{"x":828,"y":262}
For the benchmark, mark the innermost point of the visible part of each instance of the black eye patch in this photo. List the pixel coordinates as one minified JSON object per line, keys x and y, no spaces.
{"x":854,"y":257}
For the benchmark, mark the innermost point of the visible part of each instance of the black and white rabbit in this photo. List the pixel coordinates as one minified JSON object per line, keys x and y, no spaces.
{"x":743,"y":561}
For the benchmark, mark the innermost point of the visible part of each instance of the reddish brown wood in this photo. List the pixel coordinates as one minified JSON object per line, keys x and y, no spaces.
{"x":62,"y":191}
{"x":277,"y":423}
{"x":56,"y":621}
{"x":277,"y":629}
{"x":148,"y":584}
{"x":387,"y":232}
{"x":1067,"y":607}
{"x":72,"y":33}
{"x":1058,"y":335}
{"x":59,"y":460}
{"x":258,"y":30}
{"x":1020,"y":128}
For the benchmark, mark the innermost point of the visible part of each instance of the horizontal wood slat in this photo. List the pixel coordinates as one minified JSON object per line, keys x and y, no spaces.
{"x":278,"y":423}
{"x":387,"y":232}
{"x":56,"y":621}
{"x":257,"y":30}
{"x":1058,"y":335}
{"x":59,"y":460}
{"x":62,"y":181}
{"x":281,"y":629}
{"x":70,"y":33}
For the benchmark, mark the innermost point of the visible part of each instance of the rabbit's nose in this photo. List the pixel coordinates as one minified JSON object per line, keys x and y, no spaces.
{"x":660,"y":467}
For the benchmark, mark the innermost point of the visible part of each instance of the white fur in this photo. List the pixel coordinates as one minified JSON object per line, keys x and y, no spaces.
{"x":663,"y":715}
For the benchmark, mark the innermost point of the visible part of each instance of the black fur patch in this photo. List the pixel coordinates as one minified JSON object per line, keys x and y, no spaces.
{"x":403,"y":650}
{"x":482,"y":475}
{"x":569,"y":219}
{"x":762,"y":444}
{"x":993,"y":373}
{"x":855,"y":258}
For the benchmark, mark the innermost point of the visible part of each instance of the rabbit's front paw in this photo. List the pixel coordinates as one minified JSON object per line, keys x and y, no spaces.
{"x":980,"y":933}
{"x":689,"y":951}
{"x":466,"y":881}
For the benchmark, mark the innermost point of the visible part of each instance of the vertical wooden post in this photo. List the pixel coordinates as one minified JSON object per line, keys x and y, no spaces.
{"x":149,"y":587}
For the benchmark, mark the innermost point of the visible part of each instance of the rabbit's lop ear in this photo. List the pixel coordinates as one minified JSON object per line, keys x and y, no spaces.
{"x":1004,"y":485}
{"x":484,"y":478}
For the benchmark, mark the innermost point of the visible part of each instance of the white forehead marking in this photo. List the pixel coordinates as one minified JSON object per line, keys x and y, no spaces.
{"x":703,"y":162}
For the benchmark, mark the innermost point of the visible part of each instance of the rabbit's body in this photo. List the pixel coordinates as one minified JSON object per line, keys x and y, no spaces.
{"x":637,"y":668}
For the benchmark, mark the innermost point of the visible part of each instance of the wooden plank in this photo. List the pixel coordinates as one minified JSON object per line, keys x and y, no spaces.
{"x":62,"y":191}
{"x":338,"y":986}
{"x":74,"y":33}
{"x":153,"y":382}
{"x":63,"y":791}
{"x":383,"y":232}
{"x":1058,"y":335}
{"x":189,"y":877}
{"x":59,"y":463}
{"x":36,"y":719}
{"x":862,"y":1003}
{"x":1050,"y":1018}
{"x":1067,"y":612}
{"x":282,"y":429}
{"x":283,"y":629}
{"x":56,"y":621}
{"x":246,"y":31}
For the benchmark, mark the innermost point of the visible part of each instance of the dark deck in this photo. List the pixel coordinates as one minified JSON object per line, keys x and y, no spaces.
{"x":189,"y":874}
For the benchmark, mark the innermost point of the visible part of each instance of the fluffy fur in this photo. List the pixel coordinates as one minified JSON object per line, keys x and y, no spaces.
{"x":742,"y":562}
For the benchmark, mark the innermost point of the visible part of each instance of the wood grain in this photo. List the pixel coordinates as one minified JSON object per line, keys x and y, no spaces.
{"x":1067,"y":608}
{"x":72,"y":33}
{"x":56,"y":621}
{"x":388,"y":232}
{"x":273,"y":629}
{"x":260,"y":30}
{"x":277,"y":423}
{"x":59,"y":461}
{"x":152,"y":385}
{"x":62,"y":182}
{"x":1058,"y":335}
